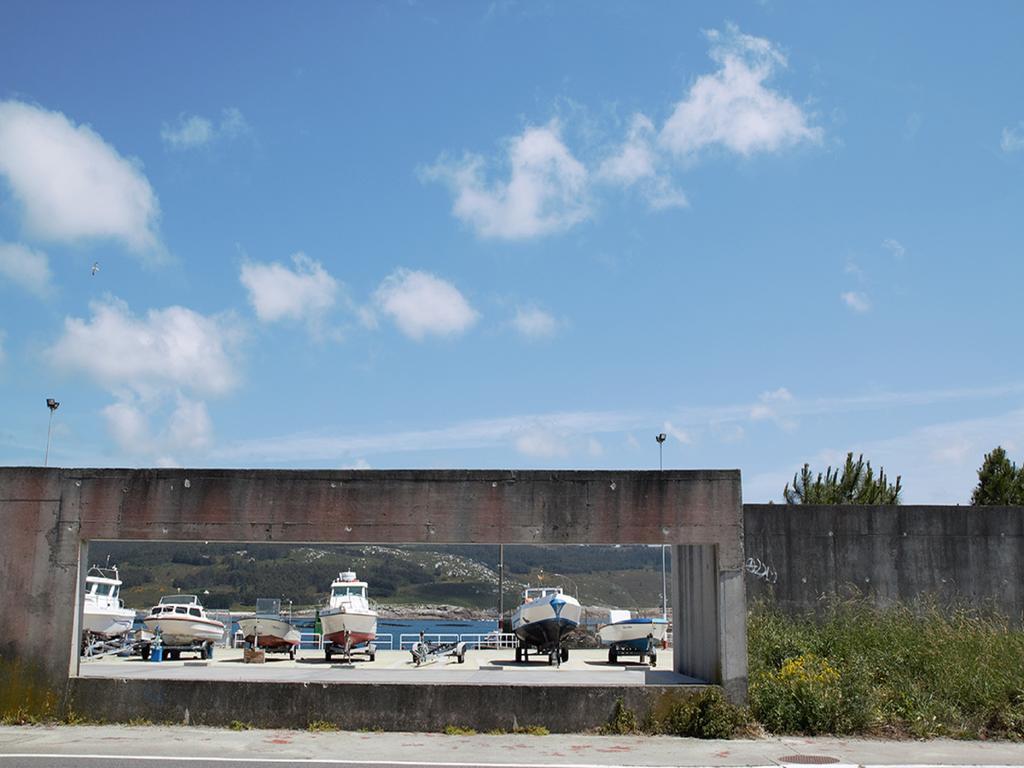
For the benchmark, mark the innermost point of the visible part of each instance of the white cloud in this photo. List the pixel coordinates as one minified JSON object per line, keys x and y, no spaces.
{"x":26,"y":268}
{"x":542,"y":444}
{"x":571,"y":425}
{"x":858,"y":301}
{"x":191,"y":131}
{"x":594,"y":447}
{"x":895,"y":247}
{"x":277,"y":292}
{"x":636,"y":163}
{"x":423,"y":304}
{"x":188,"y":428}
{"x":168,"y":349}
{"x":636,"y":159}
{"x":676,"y":433}
{"x":150,"y":365}
{"x":534,"y":323}
{"x":732,"y":107}
{"x":1013,"y":138}
{"x":546,"y":190}
{"x":773,"y":406}
{"x":71,"y":184}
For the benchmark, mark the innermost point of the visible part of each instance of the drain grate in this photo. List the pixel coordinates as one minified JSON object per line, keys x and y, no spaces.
{"x":808,"y":759}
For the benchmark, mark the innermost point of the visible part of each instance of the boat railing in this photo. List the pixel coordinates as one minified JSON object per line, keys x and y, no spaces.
{"x":490,"y":640}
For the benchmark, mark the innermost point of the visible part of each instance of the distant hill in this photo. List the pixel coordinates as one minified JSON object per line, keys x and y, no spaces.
{"x":234,"y":575}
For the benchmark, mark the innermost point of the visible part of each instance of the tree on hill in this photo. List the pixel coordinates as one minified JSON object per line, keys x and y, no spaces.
{"x":1000,"y":482}
{"x":855,"y":484}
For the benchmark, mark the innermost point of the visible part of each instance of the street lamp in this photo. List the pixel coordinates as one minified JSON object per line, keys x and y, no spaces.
{"x":661,"y":437}
{"x":53,"y":405}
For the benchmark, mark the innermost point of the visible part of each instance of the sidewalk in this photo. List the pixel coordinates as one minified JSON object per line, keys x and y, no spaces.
{"x":534,"y":751}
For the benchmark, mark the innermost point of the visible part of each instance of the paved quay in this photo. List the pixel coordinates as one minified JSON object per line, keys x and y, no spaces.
{"x":481,"y":667}
{"x":193,"y":746}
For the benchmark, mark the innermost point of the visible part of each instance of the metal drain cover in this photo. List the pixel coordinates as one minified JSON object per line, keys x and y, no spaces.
{"x":809,"y":759}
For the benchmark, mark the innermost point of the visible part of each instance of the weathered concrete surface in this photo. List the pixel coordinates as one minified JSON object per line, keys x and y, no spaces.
{"x":50,"y":515}
{"x":351,"y":706}
{"x":898,"y":554}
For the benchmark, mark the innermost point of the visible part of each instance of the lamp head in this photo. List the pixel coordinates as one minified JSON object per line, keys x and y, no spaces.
{"x":661,"y":438}
{"x":52,"y":404}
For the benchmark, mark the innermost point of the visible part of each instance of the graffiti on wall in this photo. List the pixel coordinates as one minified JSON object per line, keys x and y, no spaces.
{"x":760,"y":570}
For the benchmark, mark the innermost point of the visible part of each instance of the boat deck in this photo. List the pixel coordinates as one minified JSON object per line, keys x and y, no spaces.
{"x":482,"y":667}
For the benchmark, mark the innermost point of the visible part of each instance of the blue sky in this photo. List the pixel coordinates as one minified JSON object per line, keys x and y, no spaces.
{"x":520,"y":235}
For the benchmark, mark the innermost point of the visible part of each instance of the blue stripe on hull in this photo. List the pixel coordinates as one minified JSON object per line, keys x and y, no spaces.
{"x":545,"y":634}
{"x":640,"y":644}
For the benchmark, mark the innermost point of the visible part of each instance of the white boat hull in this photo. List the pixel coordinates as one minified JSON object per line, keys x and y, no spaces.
{"x":536,"y":623}
{"x":341,"y":626}
{"x":267,"y":632}
{"x":632,"y":632}
{"x":107,"y":622}
{"x":178,"y":629}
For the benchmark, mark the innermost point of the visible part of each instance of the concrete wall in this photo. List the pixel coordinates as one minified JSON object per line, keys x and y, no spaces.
{"x":48,"y":516}
{"x":351,"y":706}
{"x":967,"y":555}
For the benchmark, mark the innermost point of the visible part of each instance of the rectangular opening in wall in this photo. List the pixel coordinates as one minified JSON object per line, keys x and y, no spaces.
{"x":375,"y":612}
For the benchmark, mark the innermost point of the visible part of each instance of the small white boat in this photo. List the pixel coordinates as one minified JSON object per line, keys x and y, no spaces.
{"x":347,"y":621}
{"x":269,"y":630}
{"x":628,"y":636}
{"x":103,"y":612}
{"x":546,"y":616}
{"x":181,"y":621}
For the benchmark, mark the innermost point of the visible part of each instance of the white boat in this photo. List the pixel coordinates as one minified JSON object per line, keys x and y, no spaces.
{"x":268,"y":629}
{"x":347,"y":621}
{"x":546,"y":616}
{"x":180,"y":620}
{"x":628,"y":636}
{"x":103,"y":612}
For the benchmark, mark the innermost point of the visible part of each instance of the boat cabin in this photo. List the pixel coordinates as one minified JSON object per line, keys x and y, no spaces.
{"x":185,"y":605}
{"x":346,"y":590}
{"x":103,"y":587}
{"x":536,"y":593}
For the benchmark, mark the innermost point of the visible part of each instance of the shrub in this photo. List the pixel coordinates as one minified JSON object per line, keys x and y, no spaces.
{"x":703,"y":715}
{"x":623,"y":721}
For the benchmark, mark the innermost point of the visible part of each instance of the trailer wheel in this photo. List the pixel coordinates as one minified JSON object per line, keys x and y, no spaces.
{"x":519,"y":655}
{"x":291,"y":653}
{"x":565,"y":655}
{"x":654,"y":660}
{"x":613,"y":655}
{"x":144,"y":653}
{"x":462,"y":658}
{"x":327,"y":655}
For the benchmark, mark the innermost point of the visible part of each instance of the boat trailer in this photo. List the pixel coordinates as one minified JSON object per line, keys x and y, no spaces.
{"x":427,"y":653}
{"x":95,"y":647}
{"x":347,"y":650}
{"x":648,"y":651}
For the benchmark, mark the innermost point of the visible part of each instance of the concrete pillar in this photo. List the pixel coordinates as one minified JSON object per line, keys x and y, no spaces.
{"x":709,"y":619}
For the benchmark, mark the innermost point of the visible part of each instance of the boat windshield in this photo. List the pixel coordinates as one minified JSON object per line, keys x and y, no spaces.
{"x":348,"y":591}
{"x":102,"y":589}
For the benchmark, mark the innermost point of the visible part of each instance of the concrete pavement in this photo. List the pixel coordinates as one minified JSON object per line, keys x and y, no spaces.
{"x":481,"y":667}
{"x":111,"y":746}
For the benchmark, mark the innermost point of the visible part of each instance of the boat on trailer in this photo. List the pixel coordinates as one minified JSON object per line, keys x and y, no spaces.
{"x":181,"y":624}
{"x":349,"y":624}
{"x":542,"y":622}
{"x":104,"y":616}
{"x":268,"y":629}
{"x":628,"y":636}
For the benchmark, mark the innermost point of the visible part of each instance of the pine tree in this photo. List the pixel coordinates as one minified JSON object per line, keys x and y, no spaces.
{"x":856,"y":484}
{"x":999,"y":481}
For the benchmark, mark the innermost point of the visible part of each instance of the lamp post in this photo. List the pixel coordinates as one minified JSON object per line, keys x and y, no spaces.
{"x":53,"y":405}
{"x":558,"y":604}
{"x":661,"y":437}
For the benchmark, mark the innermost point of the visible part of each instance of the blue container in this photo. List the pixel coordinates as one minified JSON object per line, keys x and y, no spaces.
{"x":156,"y":653}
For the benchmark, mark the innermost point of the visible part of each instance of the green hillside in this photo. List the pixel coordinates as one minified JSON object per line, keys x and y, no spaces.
{"x":234,"y":575}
